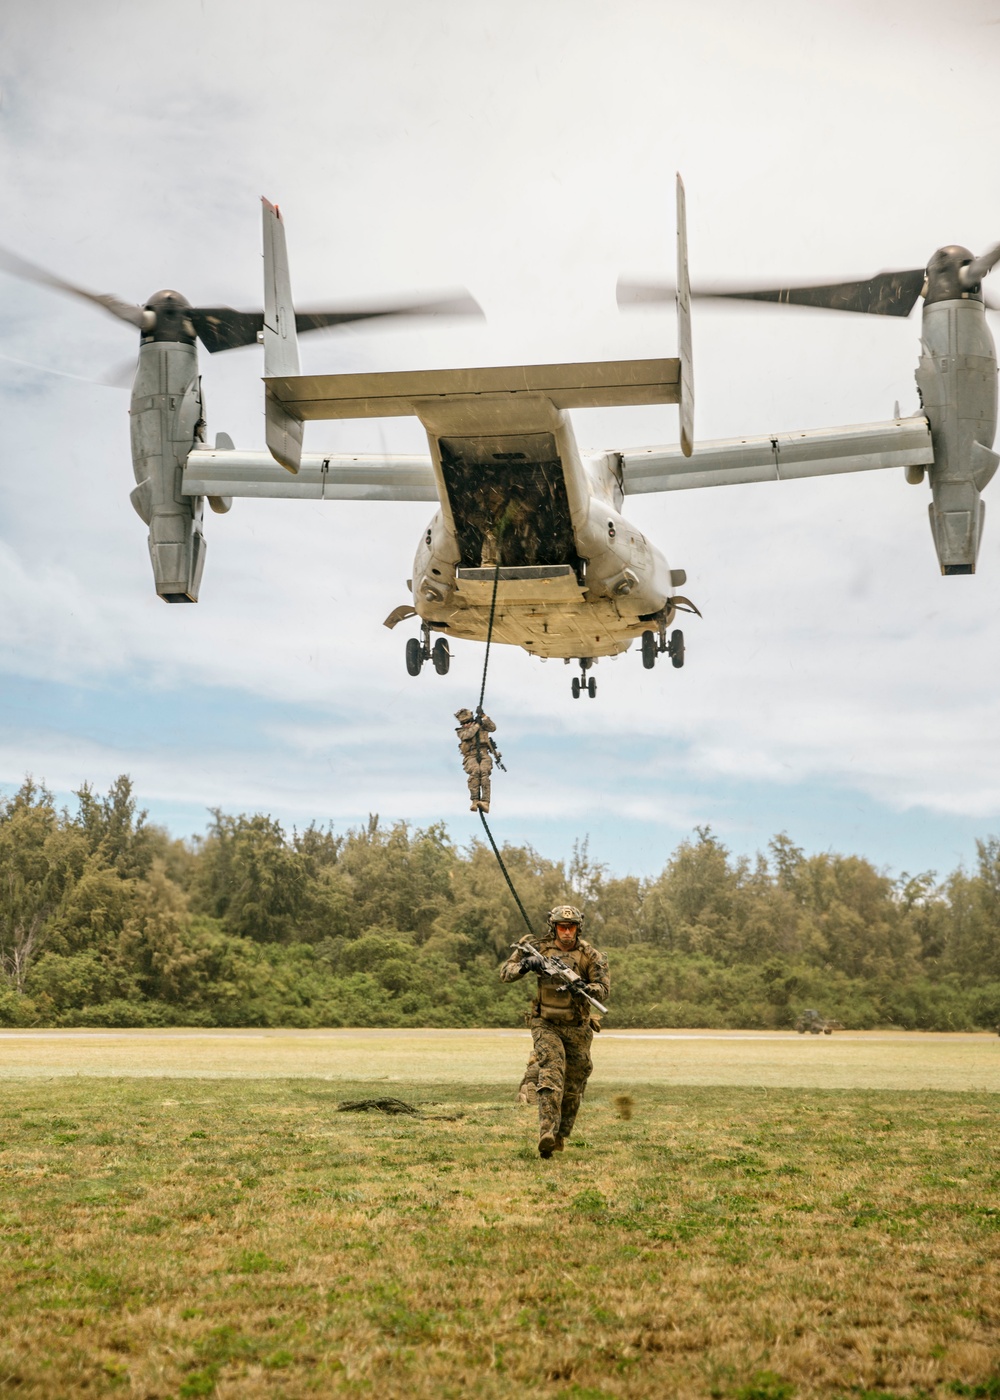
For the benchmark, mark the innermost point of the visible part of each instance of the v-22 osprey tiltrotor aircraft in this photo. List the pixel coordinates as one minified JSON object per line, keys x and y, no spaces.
{"x":520,"y":509}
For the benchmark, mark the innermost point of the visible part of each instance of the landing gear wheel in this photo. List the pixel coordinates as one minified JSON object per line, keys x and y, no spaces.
{"x":649,"y":650}
{"x":676,"y":649}
{"x":414,"y":656}
{"x":592,"y":687}
{"x":574,"y":686}
{"x":441,"y":656}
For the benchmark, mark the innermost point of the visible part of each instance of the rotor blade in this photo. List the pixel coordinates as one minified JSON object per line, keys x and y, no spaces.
{"x":115,"y":379}
{"x":30,"y":272}
{"x":886,"y":294}
{"x":222,"y":328}
{"x":458,"y":303}
{"x":121,"y":375}
{"x":975,"y":271}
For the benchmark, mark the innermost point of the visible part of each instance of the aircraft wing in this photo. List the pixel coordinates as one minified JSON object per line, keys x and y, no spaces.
{"x":902,"y":442}
{"x":330,"y":476}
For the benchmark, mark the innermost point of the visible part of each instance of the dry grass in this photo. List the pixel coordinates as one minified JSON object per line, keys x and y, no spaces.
{"x":241,"y":1239}
{"x":856,"y":1059}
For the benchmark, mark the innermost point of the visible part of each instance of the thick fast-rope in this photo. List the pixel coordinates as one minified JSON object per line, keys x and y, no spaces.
{"x":506,"y":876}
{"x":479,"y":711}
{"x":489,"y":636}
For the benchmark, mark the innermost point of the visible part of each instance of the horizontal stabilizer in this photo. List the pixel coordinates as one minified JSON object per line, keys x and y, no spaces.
{"x":592,"y":384}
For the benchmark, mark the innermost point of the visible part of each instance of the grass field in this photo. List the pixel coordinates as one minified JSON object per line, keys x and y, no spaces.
{"x":232,"y":1234}
{"x":856,"y":1059}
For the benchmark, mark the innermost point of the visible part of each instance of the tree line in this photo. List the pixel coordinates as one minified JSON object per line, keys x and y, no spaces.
{"x":105,"y":920}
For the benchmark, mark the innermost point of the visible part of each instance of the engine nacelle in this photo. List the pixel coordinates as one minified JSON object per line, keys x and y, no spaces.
{"x":957,"y":379}
{"x":167,"y":419}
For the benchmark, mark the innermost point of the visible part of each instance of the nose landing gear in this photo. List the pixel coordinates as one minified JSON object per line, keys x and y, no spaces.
{"x":581,"y":682}
{"x":653,"y":644}
{"x":419,"y":650}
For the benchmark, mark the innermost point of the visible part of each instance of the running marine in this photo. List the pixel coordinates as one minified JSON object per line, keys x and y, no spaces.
{"x":562,"y":1025}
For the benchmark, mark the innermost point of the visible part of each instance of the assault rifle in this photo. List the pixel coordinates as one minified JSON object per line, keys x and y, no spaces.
{"x":490,"y":741}
{"x":562,"y":972}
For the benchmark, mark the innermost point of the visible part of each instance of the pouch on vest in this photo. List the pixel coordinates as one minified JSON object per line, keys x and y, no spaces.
{"x":555,"y":1003}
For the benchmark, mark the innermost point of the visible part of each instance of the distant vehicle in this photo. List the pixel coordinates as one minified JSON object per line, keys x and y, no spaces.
{"x":816,"y":1024}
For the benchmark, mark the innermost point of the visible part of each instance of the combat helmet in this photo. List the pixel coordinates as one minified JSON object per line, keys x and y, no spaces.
{"x":464,"y":715}
{"x":565,"y":914}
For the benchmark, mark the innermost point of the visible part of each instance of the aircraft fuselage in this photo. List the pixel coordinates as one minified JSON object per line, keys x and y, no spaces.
{"x":577,"y":579}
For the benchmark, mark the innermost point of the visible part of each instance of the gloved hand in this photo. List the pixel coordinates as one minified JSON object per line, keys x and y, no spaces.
{"x":531,"y":962}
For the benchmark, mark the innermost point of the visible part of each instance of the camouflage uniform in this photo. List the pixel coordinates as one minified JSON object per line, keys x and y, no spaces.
{"x":562,"y":1028}
{"x":477,"y":750}
{"x":527,"y":1090}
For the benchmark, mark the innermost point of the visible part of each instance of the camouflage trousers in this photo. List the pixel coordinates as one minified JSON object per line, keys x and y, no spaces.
{"x":527,"y":1090}
{"x":562,"y":1051}
{"x":477,"y":771}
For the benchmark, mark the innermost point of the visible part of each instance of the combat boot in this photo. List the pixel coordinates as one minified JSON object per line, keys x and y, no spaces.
{"x":559,"y":1144}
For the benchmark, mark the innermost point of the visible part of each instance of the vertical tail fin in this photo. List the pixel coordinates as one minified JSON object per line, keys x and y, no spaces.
{"x":684,"y":327}
{"x":281,"y":346}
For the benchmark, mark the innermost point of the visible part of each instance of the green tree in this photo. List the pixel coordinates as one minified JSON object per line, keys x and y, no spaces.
{"x":41,"y":856}
{"x":398,"y":878}
{"x":252,"y":879}
{"x":972,"y":946}
{"x":114,"y":833}
{"x":856,"y":924}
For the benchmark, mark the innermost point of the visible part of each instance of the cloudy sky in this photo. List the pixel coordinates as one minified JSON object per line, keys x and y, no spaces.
{"x":838,"y":688}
